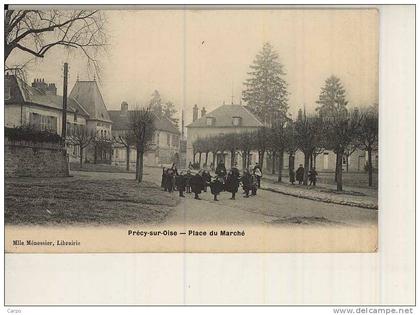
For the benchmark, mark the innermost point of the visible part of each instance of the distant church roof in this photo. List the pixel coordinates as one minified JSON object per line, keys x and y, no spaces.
{"x":88,"y":95}
{"x":223,"y":117}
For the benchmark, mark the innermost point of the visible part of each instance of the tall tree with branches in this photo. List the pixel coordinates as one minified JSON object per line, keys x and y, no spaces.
{"x":308,"y":133}
{"x":127,"y":139}
{"x":265,"y":91}
{"x":340,"y":131}
{"x":36,"y":32}
{"x":332,"y":98}
{"x":367,"y":137}
{"x":141,"y":122}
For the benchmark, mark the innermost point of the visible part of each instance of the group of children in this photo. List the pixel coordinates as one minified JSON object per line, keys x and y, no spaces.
{"x":186,"y":181}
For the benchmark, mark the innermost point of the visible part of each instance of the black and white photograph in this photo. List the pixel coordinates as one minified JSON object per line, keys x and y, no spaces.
{"x":193,"y":130}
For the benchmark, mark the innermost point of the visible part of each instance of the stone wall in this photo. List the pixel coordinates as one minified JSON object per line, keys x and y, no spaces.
{"x":27,"y":159}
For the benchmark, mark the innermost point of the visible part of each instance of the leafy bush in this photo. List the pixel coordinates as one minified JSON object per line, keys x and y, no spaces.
{"x":29,"y":133}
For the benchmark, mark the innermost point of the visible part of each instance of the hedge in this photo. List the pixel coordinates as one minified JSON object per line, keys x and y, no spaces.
{"x":28,"y":133}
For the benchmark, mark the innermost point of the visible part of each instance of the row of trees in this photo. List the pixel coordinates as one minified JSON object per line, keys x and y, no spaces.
{"x":342,"y":133}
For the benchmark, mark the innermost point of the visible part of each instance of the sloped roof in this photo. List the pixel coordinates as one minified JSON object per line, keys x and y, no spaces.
{"x":223,"y":117}
{"x":121,"y":122}
{"x":88,"y":95}
{"x":29,"y":94}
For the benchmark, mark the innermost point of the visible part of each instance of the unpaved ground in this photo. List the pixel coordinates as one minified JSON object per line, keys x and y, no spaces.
{"x":84,"y":200}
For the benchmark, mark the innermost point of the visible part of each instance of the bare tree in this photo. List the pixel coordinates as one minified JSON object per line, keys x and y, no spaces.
{"x":340,"y":130}
{"x":127,"y":140}
{"x":37,"y":31}
{"x":349,"y":150}
{"x":81,"y":137}
{"x":367,"y":137}
{"x":142,"y":126}
{"x":308,"y":131}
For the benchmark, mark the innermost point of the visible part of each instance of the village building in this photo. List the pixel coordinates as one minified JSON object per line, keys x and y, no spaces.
{"x":223,"y":120}
{"x":163,"y":151}
{"x":238,"y":119}
{"x":38,"y":105}
{"x":88,"y":95}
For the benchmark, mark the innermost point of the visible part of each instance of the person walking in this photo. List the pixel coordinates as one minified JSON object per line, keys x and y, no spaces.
{"x":206,"y":179}
{"x":246,"y":182}
{"x":180,"y":184}
{"x":254,"y":183}
{"x":292,"y":176}
{"x":197,"y":185}
{"x":221,"y":170}
{"x":216,"y":187}
{"x":312,"y":176}
{"x":299,"y":174}
{"x":258,"y":173}
{"x":163,"y":181}
{"x":188,"y":177}
{"x":170,"y":183}
{"x":232,"y":183}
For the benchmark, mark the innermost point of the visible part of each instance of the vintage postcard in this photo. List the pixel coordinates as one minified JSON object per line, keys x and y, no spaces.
{"x":191,"y":129}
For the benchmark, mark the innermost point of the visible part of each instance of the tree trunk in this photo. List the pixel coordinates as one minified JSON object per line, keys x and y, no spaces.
{"x":214,"y":159}
{"x":339,"y":171}
{"x":199,"y":159}
{"x":261,"y":155}
{"x":81,"y":156}
{"x":140,"y":178}
{"x":243,"y":160}
{"x":207,"y":157}
{"x":347,"y":163}
{"x":232,"y":158}
{"x":95,"y":154}
{"x":336,"y":168}
{"x":370,"y":168}
{"x":291,"y":161}
{"x":128,"y":158}
{"x":194,"y":154}
{"x":315,"y":155}
{"x":305,"y":174}
{"x":273,"y":165}
{"x":281,"y":157}
{"x":137,"y":164}
{"x":311,"y":162}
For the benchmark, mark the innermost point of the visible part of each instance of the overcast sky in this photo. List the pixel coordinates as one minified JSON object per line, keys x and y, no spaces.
{"x":202,"y":57}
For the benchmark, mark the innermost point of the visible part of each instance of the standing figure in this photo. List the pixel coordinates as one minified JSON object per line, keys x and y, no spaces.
{"x":232,"y":181}
{"x":206,"y":179}
{"x":180,"y":184}
{"x":163,"y":182}
{"x":292,"y":176}
{"x":170,"y":182}
{"x":216,"y":187}
{"x":312,"y":176}
{"x":299,"y":174}
{"x":258,"y":173}
{"x":196,"y":185}
{"x":188,"y":182}
{"x":246,"y":182}
{"x":254,"y":183}
{"x":221,"y":170}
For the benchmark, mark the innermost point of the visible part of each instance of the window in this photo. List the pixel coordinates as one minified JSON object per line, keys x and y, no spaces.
{"x":168,"y":139}
{"x":210,"y":121}
{"x":236,"y":121}
{"x":102,"y":133}
{"x":325,"y":160}
{"x":116,"y":153}
{"x":344,"y":160}
{"x":157,"y":138}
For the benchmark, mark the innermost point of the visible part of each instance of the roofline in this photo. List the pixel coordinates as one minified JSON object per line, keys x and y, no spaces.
{"x":40,"y":105}
{"x":227,"y":126}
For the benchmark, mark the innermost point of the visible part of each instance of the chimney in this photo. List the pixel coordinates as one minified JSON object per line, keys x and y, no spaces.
{"x":195,"y":112}
{"x":40,"y":85}
{"x":124,"y":108}
{"x":203,"y":112}
{"x":51,"y":89}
